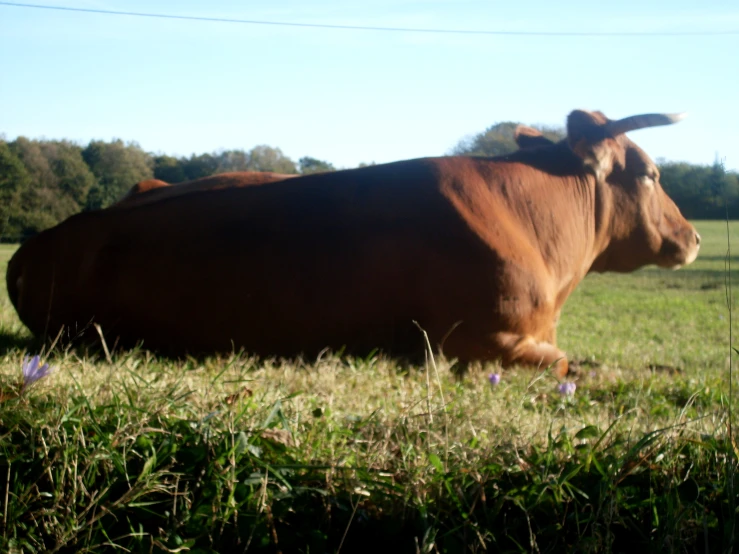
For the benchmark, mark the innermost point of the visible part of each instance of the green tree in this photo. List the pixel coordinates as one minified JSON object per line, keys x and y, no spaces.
{"x":169,"y":169}
{"x":73,"y":177}
{"x":259,"y":158}
{"x":199,"y":166}
{"x":59,"y":181}
{"x":312,"y":165}
{"x":701,"y":191}
{"x":232,"y":160}
{"x":117,"y":167}
{"x":266,"y":158}
{"x":13,"y":180}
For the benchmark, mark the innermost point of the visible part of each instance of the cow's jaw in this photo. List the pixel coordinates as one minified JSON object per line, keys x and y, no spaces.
{"x":691,"y":256}
{"x":694,"y":252}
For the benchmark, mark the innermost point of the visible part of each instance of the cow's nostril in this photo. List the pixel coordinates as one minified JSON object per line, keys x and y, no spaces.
{"x":697,"y":239}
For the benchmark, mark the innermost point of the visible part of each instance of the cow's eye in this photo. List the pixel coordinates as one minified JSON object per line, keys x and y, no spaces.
{"x":646,"y":180}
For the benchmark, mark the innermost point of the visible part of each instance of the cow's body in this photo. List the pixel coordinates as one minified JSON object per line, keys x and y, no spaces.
{"x":153,"y":190}
{"x":482,"y":253}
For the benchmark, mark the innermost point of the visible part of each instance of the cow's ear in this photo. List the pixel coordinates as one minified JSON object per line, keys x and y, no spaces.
{"x":590,"y":140}
{"x":528,"y":137}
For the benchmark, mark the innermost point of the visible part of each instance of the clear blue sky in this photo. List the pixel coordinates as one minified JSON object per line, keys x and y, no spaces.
{"x":347,"y":96}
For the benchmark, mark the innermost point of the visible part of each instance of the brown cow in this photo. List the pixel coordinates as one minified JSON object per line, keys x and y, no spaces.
{"x":152,"y":190}
{"x":481,"y":252}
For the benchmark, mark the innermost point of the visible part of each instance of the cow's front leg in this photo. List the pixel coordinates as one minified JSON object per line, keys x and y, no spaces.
{"x":510,"y":349}
{"x":526,"y":350}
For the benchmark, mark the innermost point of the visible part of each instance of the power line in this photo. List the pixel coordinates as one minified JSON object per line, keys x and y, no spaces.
{"x":385,"y":29}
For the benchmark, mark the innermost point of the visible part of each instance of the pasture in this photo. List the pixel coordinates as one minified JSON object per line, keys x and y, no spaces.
{"x":136,"y":453}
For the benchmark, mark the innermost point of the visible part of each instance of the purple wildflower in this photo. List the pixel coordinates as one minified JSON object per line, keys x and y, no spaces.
{"x":33,"y":371}
{"x":494,"y":378}
{"x":566,"y":389}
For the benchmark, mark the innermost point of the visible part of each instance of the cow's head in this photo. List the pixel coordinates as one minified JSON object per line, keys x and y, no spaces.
{"x":642,"y":224}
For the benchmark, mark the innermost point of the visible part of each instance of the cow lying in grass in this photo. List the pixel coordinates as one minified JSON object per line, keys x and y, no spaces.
{"x":481,"y":252}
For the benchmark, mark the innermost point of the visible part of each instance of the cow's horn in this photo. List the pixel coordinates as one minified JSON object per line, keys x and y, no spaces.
{"x":642,"y":121}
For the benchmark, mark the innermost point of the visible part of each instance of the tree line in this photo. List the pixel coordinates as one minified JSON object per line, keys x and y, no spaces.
{"x":42,"y":182}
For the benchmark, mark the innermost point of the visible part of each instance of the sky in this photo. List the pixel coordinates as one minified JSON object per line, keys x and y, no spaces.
{"x":348,"y":96}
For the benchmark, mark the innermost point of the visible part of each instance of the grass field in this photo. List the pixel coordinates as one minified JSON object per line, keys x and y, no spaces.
{"x":232,"y":454}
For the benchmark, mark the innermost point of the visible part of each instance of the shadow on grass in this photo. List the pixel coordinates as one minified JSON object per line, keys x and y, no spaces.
{"x":721,"y":258}
{"x":703,"y":279}
{"x":10,"y":342}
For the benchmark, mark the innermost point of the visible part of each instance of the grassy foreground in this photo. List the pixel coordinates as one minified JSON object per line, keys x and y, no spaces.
{"x":231,"y":454}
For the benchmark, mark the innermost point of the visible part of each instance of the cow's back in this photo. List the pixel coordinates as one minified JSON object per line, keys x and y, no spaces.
{"x":154,"y":190}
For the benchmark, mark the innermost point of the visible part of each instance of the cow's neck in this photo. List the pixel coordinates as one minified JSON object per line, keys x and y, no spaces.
{"x":557,"y":211}
{"x":568,"y":219}
{"x":604,"y":227}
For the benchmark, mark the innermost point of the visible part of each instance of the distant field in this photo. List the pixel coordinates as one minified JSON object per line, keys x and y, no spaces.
{"x":213,"y":455}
